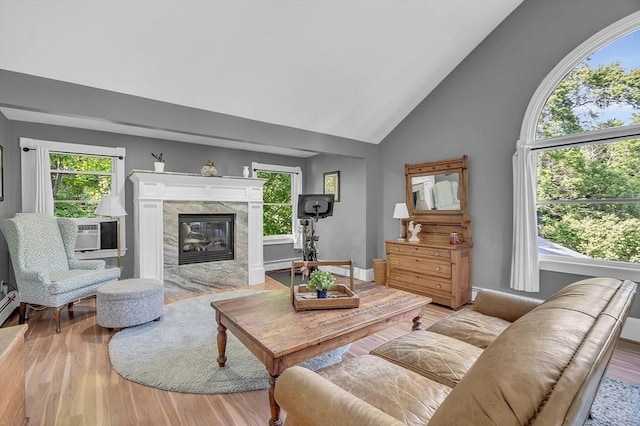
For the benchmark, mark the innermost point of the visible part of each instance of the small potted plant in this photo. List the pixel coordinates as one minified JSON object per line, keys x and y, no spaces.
{"x":320,"y":281}
{"x":209,"y":169}
{"x":158,"y":165}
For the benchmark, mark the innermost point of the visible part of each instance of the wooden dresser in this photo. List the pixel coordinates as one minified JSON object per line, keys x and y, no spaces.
{"x":439,"y":271}
{"x":12,"y":401}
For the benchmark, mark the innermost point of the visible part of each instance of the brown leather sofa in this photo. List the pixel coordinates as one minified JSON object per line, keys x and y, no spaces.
{"x":508,"y":360}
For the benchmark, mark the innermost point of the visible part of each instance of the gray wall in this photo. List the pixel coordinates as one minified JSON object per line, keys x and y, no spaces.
{"x":478,"y":111}
{"x":6,"y":206}
{"x":342,"y":236}
{"x":179,"y":157}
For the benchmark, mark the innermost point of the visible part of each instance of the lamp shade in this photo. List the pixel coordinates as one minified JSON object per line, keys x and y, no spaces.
{"x":110,"y":206}
{"x":400,"y":212}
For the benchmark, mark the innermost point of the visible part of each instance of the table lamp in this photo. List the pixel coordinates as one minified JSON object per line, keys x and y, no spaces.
{"x":110,"y":206}
{"x":400,"y":212}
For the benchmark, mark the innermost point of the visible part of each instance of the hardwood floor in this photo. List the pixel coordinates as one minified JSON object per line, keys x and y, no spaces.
{"x":69,"y":379}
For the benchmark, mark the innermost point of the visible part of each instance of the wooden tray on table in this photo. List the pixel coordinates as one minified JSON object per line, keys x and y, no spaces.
{"x":339,"y":296}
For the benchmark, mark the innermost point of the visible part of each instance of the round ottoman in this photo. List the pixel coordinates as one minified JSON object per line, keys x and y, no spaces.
{"x":129,"y":302}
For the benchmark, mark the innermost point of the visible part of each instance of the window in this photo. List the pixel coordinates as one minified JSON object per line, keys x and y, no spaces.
{"x":79,"y":174}
{"x":78,"y":182}
{"x":280,"y":196}
{"x":583,"y":126}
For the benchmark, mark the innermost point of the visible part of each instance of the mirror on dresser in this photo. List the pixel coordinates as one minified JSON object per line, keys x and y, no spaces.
{"x":438,"y":264}
{"x":436,"y":196}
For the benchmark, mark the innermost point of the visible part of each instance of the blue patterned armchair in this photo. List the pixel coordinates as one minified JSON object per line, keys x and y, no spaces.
{"x":47,"y":273}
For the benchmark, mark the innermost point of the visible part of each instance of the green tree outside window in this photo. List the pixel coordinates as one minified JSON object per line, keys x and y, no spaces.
{"x":278,"y":207}
{"x":589,"y":195}
{"x":78,"y":183}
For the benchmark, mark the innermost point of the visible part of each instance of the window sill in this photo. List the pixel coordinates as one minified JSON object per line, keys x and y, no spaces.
{"x":590,"y":267}
{"x":99,"y":254}
{"x":277,"y":239}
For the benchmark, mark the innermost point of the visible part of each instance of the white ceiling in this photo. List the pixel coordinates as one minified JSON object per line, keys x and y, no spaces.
{"x":353,"y":69}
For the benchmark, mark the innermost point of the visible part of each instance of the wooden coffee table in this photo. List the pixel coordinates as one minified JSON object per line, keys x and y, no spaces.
{"x":279,"y":336}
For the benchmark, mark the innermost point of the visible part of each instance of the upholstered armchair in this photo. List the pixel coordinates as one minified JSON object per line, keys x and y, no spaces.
{"x":43,"y":258}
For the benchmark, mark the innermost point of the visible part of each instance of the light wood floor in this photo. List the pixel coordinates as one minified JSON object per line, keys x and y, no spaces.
{"x":69,"y":379}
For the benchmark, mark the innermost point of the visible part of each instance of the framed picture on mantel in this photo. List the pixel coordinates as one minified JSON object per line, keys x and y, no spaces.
{"x":332,"y":184}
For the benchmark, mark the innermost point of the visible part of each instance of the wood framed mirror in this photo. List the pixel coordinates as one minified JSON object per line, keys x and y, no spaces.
{"x":436,"y":197}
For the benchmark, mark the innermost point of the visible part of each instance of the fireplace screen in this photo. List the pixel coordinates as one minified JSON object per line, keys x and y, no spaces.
{"x":205,"y":237}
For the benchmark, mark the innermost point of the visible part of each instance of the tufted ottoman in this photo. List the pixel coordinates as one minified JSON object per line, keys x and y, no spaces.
{"x":129,"y":302}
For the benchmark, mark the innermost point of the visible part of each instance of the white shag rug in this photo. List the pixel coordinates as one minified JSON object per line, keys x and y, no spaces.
{"x":178,"y":353}
{"x":616,"y":403}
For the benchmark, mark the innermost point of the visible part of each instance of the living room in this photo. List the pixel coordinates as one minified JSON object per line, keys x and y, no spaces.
{"x":454,"y":119}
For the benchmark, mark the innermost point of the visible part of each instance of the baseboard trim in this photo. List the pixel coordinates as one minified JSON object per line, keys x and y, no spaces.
{"x":631,"y":329}
{"x":358,"y":273}
{"x":275,"y":265}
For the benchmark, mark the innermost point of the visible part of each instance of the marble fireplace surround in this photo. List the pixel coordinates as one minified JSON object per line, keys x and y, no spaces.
{"x":159,"y":197}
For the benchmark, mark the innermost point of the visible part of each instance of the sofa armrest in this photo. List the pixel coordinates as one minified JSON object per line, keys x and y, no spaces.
{"x":324,"y":403}
{"x":33,"y":277}
{"x":86,"y":264}
{"x":507,"y":306}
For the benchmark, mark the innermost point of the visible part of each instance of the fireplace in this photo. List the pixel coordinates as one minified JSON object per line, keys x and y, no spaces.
{"x":205,"y":237}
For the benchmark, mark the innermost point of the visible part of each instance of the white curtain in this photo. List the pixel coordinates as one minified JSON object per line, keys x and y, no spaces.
{"x":525,"y":275}
{"x":44,"y":192}
{"x":298,"y":230}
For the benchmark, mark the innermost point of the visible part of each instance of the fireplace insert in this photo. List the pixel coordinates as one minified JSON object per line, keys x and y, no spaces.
{"x":205,"y":237}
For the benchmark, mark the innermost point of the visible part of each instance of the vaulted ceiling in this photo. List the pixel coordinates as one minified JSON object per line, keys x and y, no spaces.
{"x":353,"y":69}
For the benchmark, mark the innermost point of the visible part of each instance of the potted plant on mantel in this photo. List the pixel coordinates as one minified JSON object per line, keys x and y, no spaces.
{"x":158,"y":165}
{"x":209,"y":169}
{"x":320,"y":281}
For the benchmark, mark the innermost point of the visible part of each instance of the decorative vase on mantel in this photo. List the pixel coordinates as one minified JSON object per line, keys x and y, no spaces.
{"x":158,"y":165}
{"x":209,"y":169}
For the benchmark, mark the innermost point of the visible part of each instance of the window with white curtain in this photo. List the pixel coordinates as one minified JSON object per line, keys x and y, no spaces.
{"x":69,"y":180}
{"x":581,"y":135}
{"x":280,"y":195}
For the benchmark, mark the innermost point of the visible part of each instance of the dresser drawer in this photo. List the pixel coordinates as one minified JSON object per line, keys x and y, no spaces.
{"x":419,"y":265}
{"x":418,"y":281}
{"x":417,"y":251}
{"x":437,"y":296}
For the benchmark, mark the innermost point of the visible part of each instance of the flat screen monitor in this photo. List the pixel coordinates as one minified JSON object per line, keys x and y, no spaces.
{"x":315,"y":205}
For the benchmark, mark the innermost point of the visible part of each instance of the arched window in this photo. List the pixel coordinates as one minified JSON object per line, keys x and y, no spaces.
{"x":577,"y":167}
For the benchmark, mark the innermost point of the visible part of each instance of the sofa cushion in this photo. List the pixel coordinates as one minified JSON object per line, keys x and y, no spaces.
{"x":401,"y":393}
{"x":471,"y":327}
{"x":435,"y":356}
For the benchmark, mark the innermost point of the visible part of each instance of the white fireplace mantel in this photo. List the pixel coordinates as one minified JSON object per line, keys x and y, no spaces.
{"x":151,"y":189}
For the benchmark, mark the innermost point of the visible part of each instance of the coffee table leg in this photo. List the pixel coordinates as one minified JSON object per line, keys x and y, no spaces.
{"x":222,"y":345}
{"x":416,"y":323}
{"x":275,"y":408}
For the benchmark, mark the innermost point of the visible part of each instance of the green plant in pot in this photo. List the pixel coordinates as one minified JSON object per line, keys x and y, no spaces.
{"x":320,"y":281}
{"x":209,"y":169}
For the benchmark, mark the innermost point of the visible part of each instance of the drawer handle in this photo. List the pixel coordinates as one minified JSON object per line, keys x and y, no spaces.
{"x":438,"y":268}
{"x":439,"y":286}
{"x":437,"y":253}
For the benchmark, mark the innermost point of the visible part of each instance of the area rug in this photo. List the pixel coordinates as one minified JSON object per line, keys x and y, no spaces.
{"x":178,"y":353}
{"x":617,"y":403}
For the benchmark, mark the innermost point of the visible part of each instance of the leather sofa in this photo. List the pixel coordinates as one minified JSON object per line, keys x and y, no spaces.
{"x":506,"y":360}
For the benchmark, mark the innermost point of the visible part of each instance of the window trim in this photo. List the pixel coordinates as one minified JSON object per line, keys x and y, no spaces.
{"x":588,"y":267}
{"x":296,"y":171}
{"x":117,"y":183}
